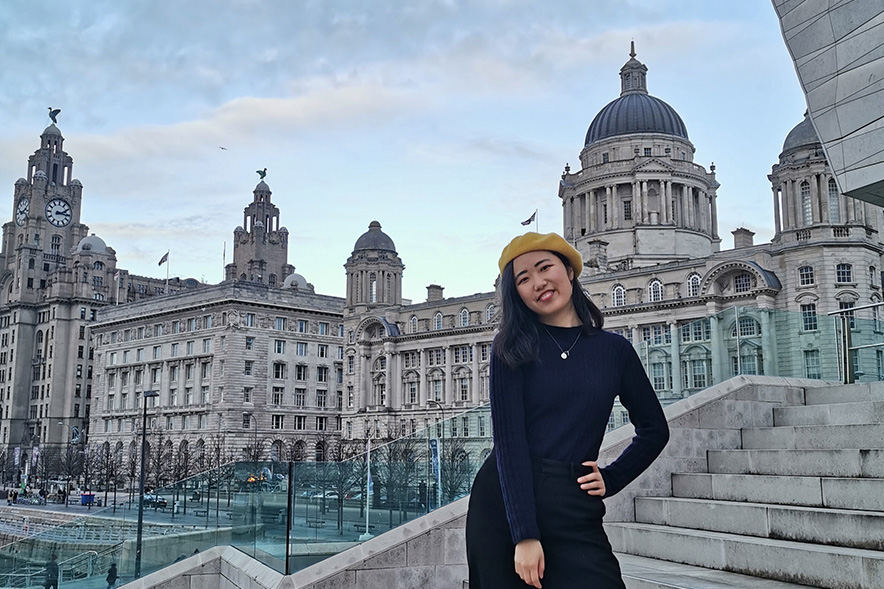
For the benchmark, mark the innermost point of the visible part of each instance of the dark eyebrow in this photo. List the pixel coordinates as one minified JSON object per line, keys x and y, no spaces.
{"x":535,"y":265}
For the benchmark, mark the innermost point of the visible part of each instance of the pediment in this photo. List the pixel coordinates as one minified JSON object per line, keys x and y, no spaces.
{"x":653,"y":165}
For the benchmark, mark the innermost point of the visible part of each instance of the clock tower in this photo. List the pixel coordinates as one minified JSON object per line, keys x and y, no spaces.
{"x":53,"y":277}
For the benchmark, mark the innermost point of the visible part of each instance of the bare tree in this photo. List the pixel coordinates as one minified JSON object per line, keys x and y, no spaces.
{"x":456,"y":469}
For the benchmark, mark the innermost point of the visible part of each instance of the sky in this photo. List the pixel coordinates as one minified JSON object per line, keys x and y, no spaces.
{"x":447,"y":121}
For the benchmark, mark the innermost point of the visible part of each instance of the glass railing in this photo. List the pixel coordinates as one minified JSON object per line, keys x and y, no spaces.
{"x":285,"y":514}
{"x":686,"y":358}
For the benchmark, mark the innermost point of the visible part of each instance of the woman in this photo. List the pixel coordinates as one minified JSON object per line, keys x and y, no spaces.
{"x":535,"y":515}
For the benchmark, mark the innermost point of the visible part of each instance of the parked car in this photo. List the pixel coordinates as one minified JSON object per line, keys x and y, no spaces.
{"x":154,"y":501}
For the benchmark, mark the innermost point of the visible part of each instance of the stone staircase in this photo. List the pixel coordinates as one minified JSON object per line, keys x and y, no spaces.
{"x":800,"y":501}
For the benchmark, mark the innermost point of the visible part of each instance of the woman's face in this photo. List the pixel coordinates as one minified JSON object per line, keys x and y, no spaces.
{"x":544,"y":285}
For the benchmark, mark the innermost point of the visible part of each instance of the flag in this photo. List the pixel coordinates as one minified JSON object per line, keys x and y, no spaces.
{"x":116,"y":276}
{"x":164,"y":259}
{"x":530,"y":219}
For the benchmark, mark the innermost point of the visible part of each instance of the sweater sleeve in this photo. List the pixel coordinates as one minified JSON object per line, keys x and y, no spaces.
{"x":511,"y":449}
{"x":651,"y":430}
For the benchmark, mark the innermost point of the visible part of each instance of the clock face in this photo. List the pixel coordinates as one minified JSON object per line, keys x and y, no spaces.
{"x":21,"y":211}
{"x":58,"y":212}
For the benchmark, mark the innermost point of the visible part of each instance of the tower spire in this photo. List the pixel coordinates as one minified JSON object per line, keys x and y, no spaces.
{"x":633,"y":74}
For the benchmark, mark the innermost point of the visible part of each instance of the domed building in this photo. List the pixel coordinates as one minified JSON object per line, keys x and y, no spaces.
{"x":639,"y":199}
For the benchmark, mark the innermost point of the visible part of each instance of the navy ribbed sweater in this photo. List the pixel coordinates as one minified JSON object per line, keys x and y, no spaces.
{"x":558,"y":409}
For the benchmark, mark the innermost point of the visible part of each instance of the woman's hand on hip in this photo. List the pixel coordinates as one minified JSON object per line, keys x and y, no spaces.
{"x":593,"y":483}
{"x":529,"y":561}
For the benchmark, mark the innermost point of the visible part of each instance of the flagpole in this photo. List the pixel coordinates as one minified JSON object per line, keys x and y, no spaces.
{"x":536,"y":222}
{"x":167,"y":273}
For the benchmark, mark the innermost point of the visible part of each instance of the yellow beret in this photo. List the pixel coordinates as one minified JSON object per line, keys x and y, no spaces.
{"x":532,"y":242}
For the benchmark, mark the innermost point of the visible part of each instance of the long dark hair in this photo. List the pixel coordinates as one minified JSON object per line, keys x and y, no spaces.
{"x":516,"y":341}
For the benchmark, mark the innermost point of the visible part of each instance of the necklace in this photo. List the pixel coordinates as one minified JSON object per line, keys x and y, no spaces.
{"x":564,"y":353}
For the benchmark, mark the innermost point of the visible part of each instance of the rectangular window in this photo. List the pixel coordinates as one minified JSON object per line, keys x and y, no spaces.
{"x":277,"y":397}
{"x":323,"y":350}
{"x":627,"y":210}
{"x":280,"y":324}
{"x":302,"y":326}
{"x":323,"y":328}
{"x":301,"y":349}
{"x":247,"y":394}
{"x":174,"y":351}
{"x":279,"y":346}
{"x":207,"y":321}
{"x":249,"y":367}
{"x":812,"y":364}
{"x":808,"y":317}
{"x":805,"y":275}
{"x":647,"y":152}
{"x":658,"y":376}
{"x":157,"y":352}
{"x":852,"y":317}
{"x":250,"y":343}
{"x":301,"y":372}
{"x":300,"y":422}
{"x":843,"y":273}
{"x":176,"y":326}
{"x":322,"y":374}
{"x":207,"y":346}
{"x":191,"y":324}
{"x":188,"y":348}
{"x":351,"y":364}
{"x":698,"y":372}
{"x":250,"y":319}
{"x":277,"y":421}
{"x":321,"y":398}
{"x":300,"y":397}
{"x":279,"y":370}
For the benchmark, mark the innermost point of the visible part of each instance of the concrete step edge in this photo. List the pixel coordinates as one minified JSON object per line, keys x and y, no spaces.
{"x":778,"y":506}
{"x":875,"y":555}
{"x":640,"y":572}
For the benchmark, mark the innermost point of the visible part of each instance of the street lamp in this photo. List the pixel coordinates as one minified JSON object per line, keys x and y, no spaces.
{"x":146,"y":395}
{"x":253,"y":454}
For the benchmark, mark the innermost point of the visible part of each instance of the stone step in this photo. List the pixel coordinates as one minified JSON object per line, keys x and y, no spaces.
{"x":830,"y":414}
{"x":837,"y":527}
{"x":640,"y":572}
{"x":848,"y":393}
{"x":821,"y":463}
{"x":781,"y":560}
{"x":837,"y":493}
{"x":815,"y":437}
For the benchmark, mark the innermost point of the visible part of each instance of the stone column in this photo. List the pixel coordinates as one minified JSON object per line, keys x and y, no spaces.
{"x":713,"y":207}
{"x":365,"y":382}
{"x":719,"y":354}
{"x":768,"y":344}
{"x":824,"y":198}
{"x":474,"y":377}
{"x":568,"y":206}
{"x":394,"y":379}
{"x":688,"y":205}
{"x":447,"y":396}
{"x":644,"y":203}
{"x":675,"y":361}
{"x":591,"y":212}
{"x":610,"y":203}
{"x":776,"y":208}
{"x":423,"y":387}
{"x":667,"y":202}
{"x":815,"y":198}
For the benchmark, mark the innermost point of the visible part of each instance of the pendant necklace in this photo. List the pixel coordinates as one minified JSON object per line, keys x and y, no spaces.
{"x":564,"y":353}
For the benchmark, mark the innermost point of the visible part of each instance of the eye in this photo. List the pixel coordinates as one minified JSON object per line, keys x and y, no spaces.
{"x":545,"y":267}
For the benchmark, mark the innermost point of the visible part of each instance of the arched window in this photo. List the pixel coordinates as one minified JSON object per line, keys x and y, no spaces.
{"x":655,"y":291}
{"x":618,"y":296}
{"x":437,"y":321}
{"x":742,"y":282}
{"x":98,"y":266}
{"x":834,"y":202}
{"x":271,"y":280}
{"x":373,"y":288}
{"x":694,"y":285}
{"x":806,"y":207}
{"x":464,"y":317}
{"x":412,"y":324}
{"x":320,"y":452}
{"x":489,"y":313}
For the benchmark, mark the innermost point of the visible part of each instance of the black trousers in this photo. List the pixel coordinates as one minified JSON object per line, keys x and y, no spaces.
{"x":576,"y":550}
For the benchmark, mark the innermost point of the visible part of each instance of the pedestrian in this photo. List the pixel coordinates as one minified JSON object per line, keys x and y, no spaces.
{"x":111,"y":575}
{"x":51,"y":581}
{"x":535,"y":512}
{"x":8,"y":496}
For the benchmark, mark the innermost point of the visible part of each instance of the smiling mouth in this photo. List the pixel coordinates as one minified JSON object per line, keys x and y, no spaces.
{"x":547,"y":295}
